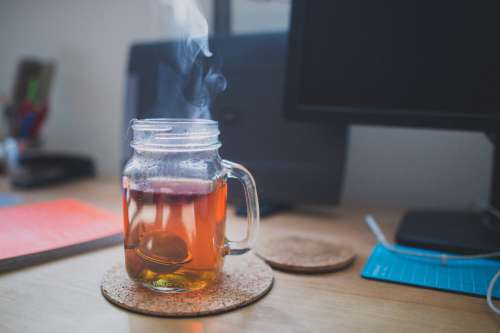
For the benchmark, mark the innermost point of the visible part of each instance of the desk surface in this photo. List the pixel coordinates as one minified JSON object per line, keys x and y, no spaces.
{"x":64,"y":295}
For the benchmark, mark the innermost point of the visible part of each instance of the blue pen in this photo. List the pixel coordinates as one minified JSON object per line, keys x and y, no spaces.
{"x":27,"y":124}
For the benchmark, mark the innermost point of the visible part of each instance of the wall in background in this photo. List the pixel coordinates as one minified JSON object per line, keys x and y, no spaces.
{"x":251,"y":16}
{"x":417,"y":168}
{"x":90,"y":40}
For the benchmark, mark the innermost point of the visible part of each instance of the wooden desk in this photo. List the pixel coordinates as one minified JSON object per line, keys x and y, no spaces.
{"x":64,"y":296}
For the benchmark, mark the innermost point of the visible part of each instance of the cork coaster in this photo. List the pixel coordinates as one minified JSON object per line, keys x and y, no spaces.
{"x":244,"y":280}
{"x":305,"y":255}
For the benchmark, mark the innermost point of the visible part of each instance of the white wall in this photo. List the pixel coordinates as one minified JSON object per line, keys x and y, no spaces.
{"x":90,"y":39}
{"x":259,"y":16}
{"x":417,"y":168}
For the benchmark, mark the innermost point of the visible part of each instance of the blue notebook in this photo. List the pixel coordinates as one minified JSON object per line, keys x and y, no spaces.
{"x":460,"y":276}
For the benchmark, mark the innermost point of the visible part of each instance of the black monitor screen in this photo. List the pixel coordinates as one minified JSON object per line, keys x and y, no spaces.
{"x":421,"y":56}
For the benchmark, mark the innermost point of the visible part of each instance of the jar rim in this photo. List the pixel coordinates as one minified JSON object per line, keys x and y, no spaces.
{"x":175,"y":134}
{"x":161,"y":122}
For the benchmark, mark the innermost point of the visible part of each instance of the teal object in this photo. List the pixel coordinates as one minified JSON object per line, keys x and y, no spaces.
{"x":470,"y":277}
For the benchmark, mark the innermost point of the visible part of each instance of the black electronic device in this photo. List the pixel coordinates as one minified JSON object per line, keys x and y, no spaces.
{"x":293,"y":163}
{"x":40,"y":170}
{"x":418,"y":63}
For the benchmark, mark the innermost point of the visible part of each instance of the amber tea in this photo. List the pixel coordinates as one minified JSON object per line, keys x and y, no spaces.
{"x":174,"y":232}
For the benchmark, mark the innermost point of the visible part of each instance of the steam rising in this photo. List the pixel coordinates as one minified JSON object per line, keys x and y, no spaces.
{"x":188,"y":78}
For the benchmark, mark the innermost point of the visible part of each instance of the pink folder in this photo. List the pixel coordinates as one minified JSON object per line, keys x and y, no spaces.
{"x":38,"y":232}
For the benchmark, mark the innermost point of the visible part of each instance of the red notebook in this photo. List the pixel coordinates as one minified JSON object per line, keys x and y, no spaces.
{"x":39,"y":232}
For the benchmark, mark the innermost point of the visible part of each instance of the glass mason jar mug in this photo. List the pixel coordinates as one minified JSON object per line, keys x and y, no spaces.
{"x":174,"y":205}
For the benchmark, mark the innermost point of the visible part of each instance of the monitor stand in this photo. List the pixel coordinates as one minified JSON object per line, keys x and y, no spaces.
{"x":456,"y":231}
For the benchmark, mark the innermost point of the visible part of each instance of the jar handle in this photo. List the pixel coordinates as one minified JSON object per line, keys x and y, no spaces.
{"x":239,"y":172}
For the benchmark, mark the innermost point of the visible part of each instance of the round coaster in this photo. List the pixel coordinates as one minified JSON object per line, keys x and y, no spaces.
{"x":244,"y":280}
{"x":305,"y":255}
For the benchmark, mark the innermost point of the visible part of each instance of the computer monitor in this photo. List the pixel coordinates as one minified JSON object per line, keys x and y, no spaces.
{"x":418,"y":63}
{"x":286,"y":158}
